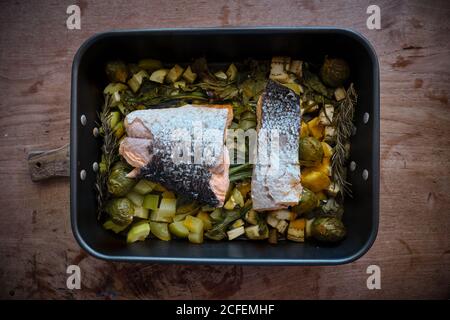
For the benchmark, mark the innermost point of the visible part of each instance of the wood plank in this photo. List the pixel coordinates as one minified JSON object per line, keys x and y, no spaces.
{"x":413,"y":244}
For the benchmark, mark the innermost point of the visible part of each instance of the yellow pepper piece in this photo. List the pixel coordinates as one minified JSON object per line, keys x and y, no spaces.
{"x":314,"y":180}
{"x":315,"y":128}
{"x":327,"y":150}
{"x":304,"y":131}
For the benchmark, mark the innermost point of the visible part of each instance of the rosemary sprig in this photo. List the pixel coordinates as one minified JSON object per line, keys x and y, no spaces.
{"x":344,"y":129}
{"x":109,"y":155}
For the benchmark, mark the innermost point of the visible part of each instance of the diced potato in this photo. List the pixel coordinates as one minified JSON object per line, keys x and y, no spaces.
{"x":296,"y":67}
{"x":340,"y":94}
{"x":329,"y":134}
{"x":315,"y":128}
{"x":189,"y":76}
{"x":207,"y":223}
{"x":333,"y":189}
{"x":272,"y":220}
{"x":278,"y":69}
{"x":254,"y":233}
{"x":178,"y":229}
{"x":141,"y":212}
{"x":283,"y":214}
{"x":296,"y":230}
{"x":282,"y":226}
{"x":194,"y":225}
{"x":221,"y":75}
{"x":234,"y":233}
{"x":304,"y":131}
{"x":196,"y":238}
{"x":150,"y":64}
{"x":136,"y":80}
{"x":168,"y":195}
{"x":174,"y":74}
{"x":314,"y":180}
{"x":159,"y":75}
{"x":115,"y":87}
{"x":326,"y":115}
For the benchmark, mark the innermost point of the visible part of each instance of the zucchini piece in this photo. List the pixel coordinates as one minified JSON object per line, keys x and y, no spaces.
{"x":143,"y":187}
{"x":207,"y":224}
{"x":236,"y":232}
{"x":178,"y":229}
{"x":194,"y":224}
{"x":165,"y":212}
{"x":296,"y":230}
{"x":110,"y":225}
{"x":180,"y":217}
{"x":114,"y":118}
{"x":138,"y":232}
{"x":174,"y":74}
{"x":251,"y":217}
{"x":232,"y":72}
{"x":150,"y":64}
{"x":195,"y":237}
{"x":141,"y":212}
{"x":136,"y":80}
{"x":136,"y":198}
{"x":216,"y":215}
{"x":119,"y":130}
{"x":151,"y":201}
{"x":159,"y":75}
{"x":160,"y":230}
{"x":189,"y":76}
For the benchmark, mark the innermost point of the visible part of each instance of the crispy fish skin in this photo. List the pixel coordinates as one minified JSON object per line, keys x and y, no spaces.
{"x":150,"y":147}
{"x":276,"y":173}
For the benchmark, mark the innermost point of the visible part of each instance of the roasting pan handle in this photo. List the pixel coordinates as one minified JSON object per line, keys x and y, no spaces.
{"x":48,"y":164}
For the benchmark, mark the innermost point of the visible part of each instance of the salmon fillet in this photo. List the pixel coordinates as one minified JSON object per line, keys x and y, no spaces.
{"x":276,"y":173}
{"x":181,"y":148}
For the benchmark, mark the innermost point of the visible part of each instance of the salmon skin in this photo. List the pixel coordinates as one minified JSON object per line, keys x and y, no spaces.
{"x":200,"y":169}
{"x":276,"y":173}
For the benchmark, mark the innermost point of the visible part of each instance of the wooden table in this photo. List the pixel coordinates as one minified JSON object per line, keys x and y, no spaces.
{"x":413,"y":244}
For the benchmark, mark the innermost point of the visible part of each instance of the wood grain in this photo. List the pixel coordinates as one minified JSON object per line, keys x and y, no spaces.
{"x":413,"y":244}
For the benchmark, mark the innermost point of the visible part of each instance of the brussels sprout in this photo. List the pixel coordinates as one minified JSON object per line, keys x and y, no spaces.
{"x":121,"y":211}
{"x":310,"y":151}
{"x":116,"y":71}
{"x":118,"y":182}
{"x":307,"y":203}
{"x":334,"y":72}
{"x":328,"y":229}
